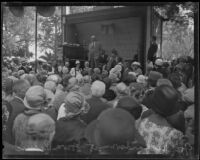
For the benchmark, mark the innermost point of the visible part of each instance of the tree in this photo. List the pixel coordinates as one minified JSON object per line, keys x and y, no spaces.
{"x":49,"y":57}
{"x":49,"y":34}
{"x":178,"y":28}
{"x":18,"y":31}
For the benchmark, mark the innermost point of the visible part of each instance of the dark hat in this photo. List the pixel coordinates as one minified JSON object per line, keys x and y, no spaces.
{"x":153,"y":78}
{"x":164,"y":100}
{"x":114,"y":126}
{"x":114,"y":51}
{"x":131,"y":105}
{"x":153,"y":75}
{"x":109,"y":95}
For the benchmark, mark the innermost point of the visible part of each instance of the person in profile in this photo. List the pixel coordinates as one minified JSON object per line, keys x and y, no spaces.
{"x":94,"y":51}
{"x":152,"y":50}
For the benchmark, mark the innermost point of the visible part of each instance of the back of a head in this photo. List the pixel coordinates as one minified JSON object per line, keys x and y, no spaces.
{"x":72,"y":81}
{"x":41,"y":127}
{"x":122,"y":89}
{"x":175,"y":79}
{"x":98,"y":88}
{"x":131,"y":105}
{"x":20,"y":87}
{"x":129,"y":79}
{"x":115,"y":126}
{"x":153,"y":78}
{"x":87,"y":79}
{"x":165,"y":100}
{"x":7,"y":86}
{"x":163,"y":81}
{"x":50,"y":85}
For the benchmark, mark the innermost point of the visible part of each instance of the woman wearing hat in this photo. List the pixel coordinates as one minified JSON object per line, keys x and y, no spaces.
{"x":114,"y":133}
{"x":35,"y":102}
{"x":136,"y":68}
{"x":70,"y":128}
{"x":40,"y":130}
{"x":77,"y":70}
{"x":161,"y":137}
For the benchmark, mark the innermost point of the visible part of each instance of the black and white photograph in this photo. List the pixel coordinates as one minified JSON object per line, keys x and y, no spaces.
{"x":100,"y":80}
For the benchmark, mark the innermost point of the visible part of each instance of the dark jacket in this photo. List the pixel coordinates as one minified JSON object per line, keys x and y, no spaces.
{"x":6,"y":112}
{"x":68,"y":132}
{"x":103,"y":59}
{"x":152,"y":52}
{"x":17,"y":108}
{"x":97,"y":106}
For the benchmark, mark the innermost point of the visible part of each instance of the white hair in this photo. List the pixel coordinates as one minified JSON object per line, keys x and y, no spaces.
{"x":98,"y":88}
{"x":50,"y":85}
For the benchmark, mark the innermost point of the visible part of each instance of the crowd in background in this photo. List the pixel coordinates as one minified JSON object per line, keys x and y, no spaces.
{"x":114,"y":108}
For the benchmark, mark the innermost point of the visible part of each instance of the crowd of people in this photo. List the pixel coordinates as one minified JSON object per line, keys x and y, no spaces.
{"x":113,"y":109}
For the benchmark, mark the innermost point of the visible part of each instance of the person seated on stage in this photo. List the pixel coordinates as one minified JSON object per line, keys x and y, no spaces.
{"x":112,"y":60}
{"x":102,"y":59}
{"x":136,"y":68}
{"x":66,"y":66}
{"x":87,"y":68}
{"x":77,"y":70}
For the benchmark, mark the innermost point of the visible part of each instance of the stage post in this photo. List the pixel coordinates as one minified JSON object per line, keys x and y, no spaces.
{"x":35,"y":39}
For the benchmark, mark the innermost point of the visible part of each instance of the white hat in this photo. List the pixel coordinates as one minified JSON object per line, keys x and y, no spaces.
{"x":136,"y":63}
{"x":159,"y":62}
{"x":77,"y":62}
{"x":141,"y":79}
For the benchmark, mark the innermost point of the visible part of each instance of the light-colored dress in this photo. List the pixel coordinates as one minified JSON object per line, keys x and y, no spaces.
{"x":160,"y":137}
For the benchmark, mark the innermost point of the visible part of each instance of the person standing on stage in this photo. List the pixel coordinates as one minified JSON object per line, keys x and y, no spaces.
{"x":94,"y":51}
{"x":152,"y":50}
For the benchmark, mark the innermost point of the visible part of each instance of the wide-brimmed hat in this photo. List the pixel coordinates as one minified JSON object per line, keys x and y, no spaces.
{"x":35,"y":98}
{"x":164,"y":100}
{"x":75,"y":104}
{"x":113,"y":126}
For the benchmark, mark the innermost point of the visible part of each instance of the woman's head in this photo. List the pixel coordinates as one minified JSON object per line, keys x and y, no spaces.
{"x":98,"y":88}
{"x":164,"y":100}
{"x":20,"y":87}
{"x":40,"y":130}
{"x":35,"y":98}
{"x":131,"y":105}
{"x":75,"y":104}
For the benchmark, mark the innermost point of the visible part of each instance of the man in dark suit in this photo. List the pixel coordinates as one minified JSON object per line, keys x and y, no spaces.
{"x":152,"y":50}
{"x":94,"y":51}
{"x":96,"y":103}
{"x":20,"y":87}
{"x":103,"y":59}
